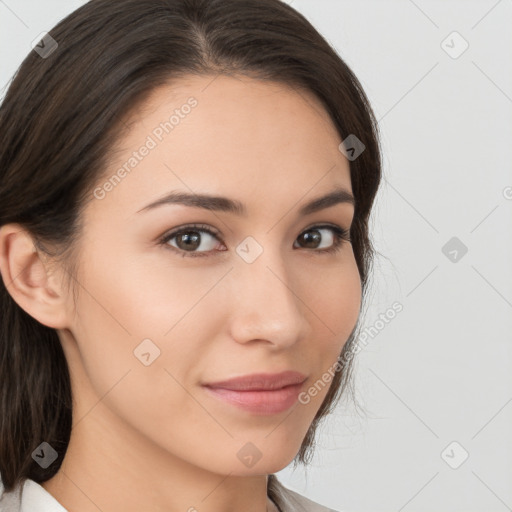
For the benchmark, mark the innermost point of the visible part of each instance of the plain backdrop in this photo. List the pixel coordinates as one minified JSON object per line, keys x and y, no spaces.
{"x":435,"y":380}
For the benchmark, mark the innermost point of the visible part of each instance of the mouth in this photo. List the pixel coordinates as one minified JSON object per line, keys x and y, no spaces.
{"x":259,"y":393}
{"x":260,"y":381}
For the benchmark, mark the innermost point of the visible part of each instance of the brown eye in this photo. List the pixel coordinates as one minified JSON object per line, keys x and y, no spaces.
{"x":313,"y":237}
{"x":190,"y":239}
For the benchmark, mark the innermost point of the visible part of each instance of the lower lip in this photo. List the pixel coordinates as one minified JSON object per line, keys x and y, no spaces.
{"x":259,"y":402}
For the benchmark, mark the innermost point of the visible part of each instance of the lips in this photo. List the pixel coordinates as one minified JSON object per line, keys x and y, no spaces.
{"x":260,"y":381}
{"x":261,"y":393}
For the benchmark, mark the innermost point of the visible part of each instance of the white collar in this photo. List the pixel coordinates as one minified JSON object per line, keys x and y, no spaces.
{"x":35,"y":498}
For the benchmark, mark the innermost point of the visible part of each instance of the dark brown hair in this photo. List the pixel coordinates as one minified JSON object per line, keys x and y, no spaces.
{"x":63,"y":114}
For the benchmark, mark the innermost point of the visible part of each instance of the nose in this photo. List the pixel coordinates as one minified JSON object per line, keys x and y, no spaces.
{"x":266,"y":302}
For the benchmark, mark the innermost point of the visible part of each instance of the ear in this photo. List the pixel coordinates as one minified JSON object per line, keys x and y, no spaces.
{"x":28,"y":279}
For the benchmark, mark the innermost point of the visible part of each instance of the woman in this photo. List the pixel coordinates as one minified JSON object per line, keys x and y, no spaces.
{"x":185,"y":193}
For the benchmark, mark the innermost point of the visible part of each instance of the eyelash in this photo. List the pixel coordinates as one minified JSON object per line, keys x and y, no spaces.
{"x":340,"y":235}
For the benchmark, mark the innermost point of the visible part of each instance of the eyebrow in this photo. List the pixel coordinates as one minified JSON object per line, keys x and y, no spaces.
{"x":224,"y":204}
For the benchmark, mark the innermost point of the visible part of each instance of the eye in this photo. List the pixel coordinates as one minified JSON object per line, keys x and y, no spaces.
{"x":336,"y":235}
{"x":189,"y":239}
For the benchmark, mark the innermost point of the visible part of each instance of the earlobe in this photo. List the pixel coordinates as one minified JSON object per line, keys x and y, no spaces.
{"x":28,"y":278}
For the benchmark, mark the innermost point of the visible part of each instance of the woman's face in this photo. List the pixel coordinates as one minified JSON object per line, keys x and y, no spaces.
{"x":156,"y":319}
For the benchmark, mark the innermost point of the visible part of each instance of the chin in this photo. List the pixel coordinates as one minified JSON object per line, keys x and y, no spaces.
{"x":271,"y":460}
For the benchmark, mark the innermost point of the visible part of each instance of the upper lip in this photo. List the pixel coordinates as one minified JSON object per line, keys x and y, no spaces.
{"x":260,"y":381}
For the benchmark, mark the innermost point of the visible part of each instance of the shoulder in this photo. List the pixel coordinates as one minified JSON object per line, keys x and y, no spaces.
{"x":29,"y":497}
{"x":32,"y":497}
{"x":291,"y":501}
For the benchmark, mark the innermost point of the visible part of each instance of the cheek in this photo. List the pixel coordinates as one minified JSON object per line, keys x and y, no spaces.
{"x":133,"y":312}
{"x":125,"y":309}
{"x":334,"y":297}
{"x":335,"y":303}
{"x":122,"y":325}
{"x":137,"y":298}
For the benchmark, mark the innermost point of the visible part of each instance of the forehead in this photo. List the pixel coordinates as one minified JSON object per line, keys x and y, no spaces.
{"x":227,"y":135}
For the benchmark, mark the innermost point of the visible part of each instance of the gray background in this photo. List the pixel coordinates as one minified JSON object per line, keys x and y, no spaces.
{"x":440,"y":371}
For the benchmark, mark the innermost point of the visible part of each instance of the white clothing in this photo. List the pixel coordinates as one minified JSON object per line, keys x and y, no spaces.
{"x":33,"y":497}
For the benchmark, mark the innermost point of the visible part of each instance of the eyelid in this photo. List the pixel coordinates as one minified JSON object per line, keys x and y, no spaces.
{"x":341,"y":235}
{"x":188,"y":227}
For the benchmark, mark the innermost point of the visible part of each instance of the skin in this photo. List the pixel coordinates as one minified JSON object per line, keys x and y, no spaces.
{"x":150,"y":437}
